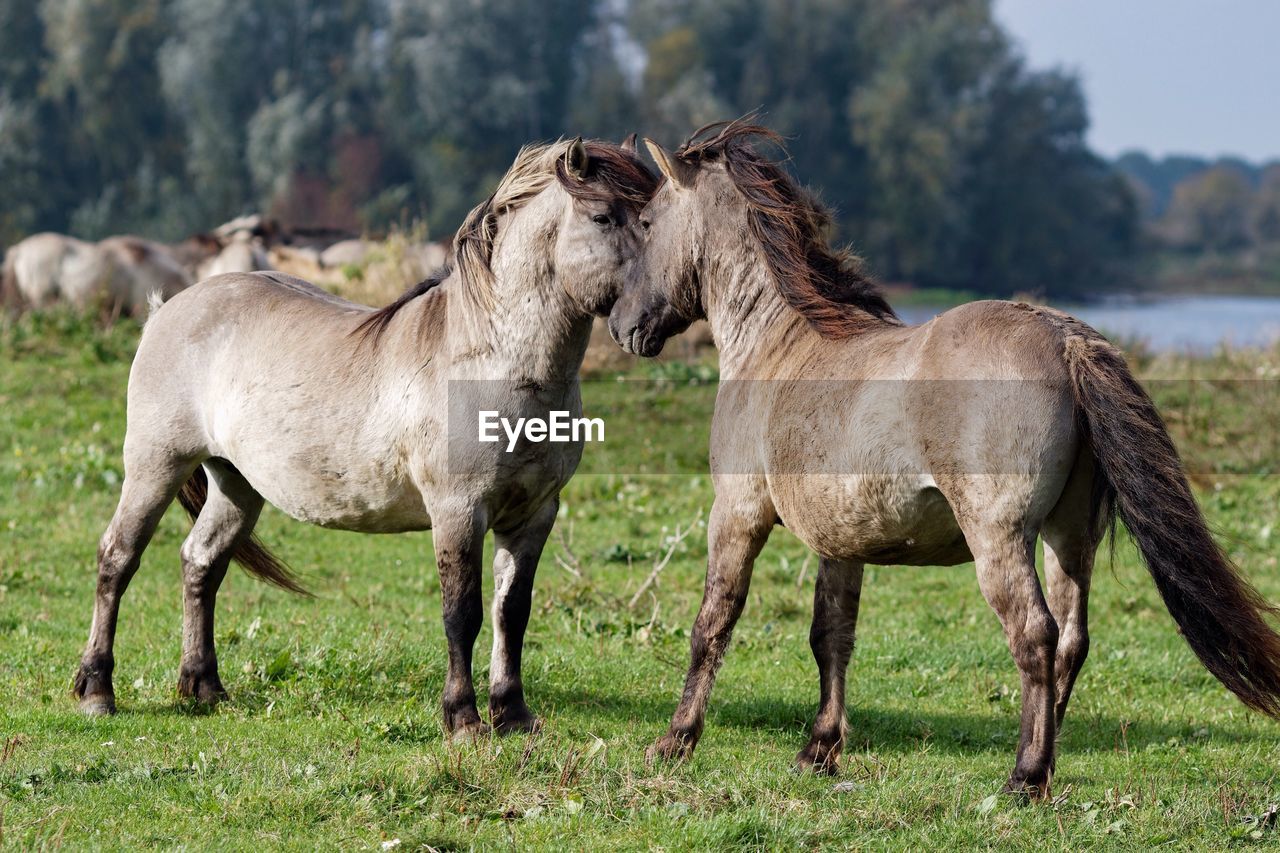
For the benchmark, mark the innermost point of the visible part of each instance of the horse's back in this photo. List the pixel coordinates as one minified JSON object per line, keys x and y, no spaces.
{"x":263,"y":297}
{"x":239,"y":256}
{"x":49,"y":268}
{"x":259,"y":322}
{"x":140,"y":269}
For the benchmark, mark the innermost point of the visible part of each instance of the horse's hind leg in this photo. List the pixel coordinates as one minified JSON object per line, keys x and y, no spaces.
{"x":225,"y":522}
{"x":1007,"y":575}
{"x":515,"y":561}
{"x":835,"y":618}
{"x":1071,"y":536}
{"x":147,"y":492}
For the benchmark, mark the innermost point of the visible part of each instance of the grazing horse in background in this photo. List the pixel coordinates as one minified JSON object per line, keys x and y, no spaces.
{"x":207,"y":255}
{"x":260,"y":386}
{"x":961,"y":439}
{"x":236,"y":246}
{"x":240,"y":253}
{"x":118,"y":274}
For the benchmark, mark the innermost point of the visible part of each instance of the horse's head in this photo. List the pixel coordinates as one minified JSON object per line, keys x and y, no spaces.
{"x":605,"y":186}
{"x":723,"y":211}
{"x":561,"y":216}
{"x":569,"y":208}
{"x":662,"y":293}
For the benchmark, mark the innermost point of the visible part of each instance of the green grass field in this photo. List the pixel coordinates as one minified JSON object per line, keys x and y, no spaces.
{"x":332,"y":736}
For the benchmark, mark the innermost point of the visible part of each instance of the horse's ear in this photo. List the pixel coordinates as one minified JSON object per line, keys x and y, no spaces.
{"x":676,"y":170}
{"x":576,"y":159}
{"x":629,"y":144}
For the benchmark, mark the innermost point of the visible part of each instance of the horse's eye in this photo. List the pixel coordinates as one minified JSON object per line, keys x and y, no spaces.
{"x":600,"y":219}
{"x":644,"y":224}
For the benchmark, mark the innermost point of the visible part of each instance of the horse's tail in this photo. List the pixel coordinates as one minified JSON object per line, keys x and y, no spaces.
{"x":155,"y":301}
{"x":251,"y":554}
{"x":1222,"y":617}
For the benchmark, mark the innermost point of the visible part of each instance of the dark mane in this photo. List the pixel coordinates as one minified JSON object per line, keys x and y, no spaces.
{"x":374,"y":325}
{"x":825,"y":285}
{"x":614,"y":174}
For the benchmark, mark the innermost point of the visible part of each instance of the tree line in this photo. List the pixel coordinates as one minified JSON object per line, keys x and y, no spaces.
{"x":949,"y":161}
{"x":1191,"y":204}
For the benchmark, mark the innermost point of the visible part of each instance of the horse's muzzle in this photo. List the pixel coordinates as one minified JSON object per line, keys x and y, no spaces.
{"x":635,"y":340}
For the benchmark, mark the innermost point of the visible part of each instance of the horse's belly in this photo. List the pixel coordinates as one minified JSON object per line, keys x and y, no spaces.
{"x":879,"y":519}
{"x":372,"y":509}
{"x":362,"y":497}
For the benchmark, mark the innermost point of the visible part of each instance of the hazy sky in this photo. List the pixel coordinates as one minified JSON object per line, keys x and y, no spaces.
{"x":1167,"y":76}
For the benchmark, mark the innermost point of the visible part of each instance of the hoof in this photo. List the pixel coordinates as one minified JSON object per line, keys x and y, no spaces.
{"x":820,"y":758}
{"x":507,"y":724}
{"x":670,"y":747}
{"x":91,"y":687}
{"x":1027,"y":788}
{"x":204,"y":687}
{"x":98,"y":705}
{"x":470,"y":733}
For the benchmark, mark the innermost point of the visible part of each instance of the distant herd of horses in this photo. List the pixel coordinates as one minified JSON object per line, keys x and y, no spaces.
{"x":118,"y":274}
{"x":969,"y":438}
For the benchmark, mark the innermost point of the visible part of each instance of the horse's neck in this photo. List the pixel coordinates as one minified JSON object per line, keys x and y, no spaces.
{"x":523,"y":325}
{"x":750,"y":322}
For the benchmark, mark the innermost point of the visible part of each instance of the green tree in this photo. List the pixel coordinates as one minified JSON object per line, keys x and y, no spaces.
{"x":917,"y":118}
{"x":29,"y":197}
{"x":1264,"y":214}
{"x":796,"y":61}
{"x":1045,"y":214}
{"x":947,"y":160}
{"x":292,"y":124}
{"x":475,"y":82}
{"x":1210,"y":211}
{"x":979,"y":173}
{"x":101,"y":87}
{"x":605,"y":95}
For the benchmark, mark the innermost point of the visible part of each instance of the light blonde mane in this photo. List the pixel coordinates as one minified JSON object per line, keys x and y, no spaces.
{"x":532,"y":172}
{"x":614,"y":174}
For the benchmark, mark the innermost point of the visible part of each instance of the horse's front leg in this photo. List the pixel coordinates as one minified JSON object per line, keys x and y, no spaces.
{"x":736,"y":532}
{"x":515,"y":561}
{"x":459,"y":547}
{"x":836,"y":596}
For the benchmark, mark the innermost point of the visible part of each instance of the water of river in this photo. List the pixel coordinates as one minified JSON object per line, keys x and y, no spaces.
{"x":1171,"y":323}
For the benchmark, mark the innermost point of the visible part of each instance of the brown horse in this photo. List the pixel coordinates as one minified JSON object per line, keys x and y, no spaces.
{"x":962,"y":439}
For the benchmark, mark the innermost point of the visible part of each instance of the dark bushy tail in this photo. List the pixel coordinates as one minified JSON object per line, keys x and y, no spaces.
{"x":1222,"y":617}
{"x":252,"y":555}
